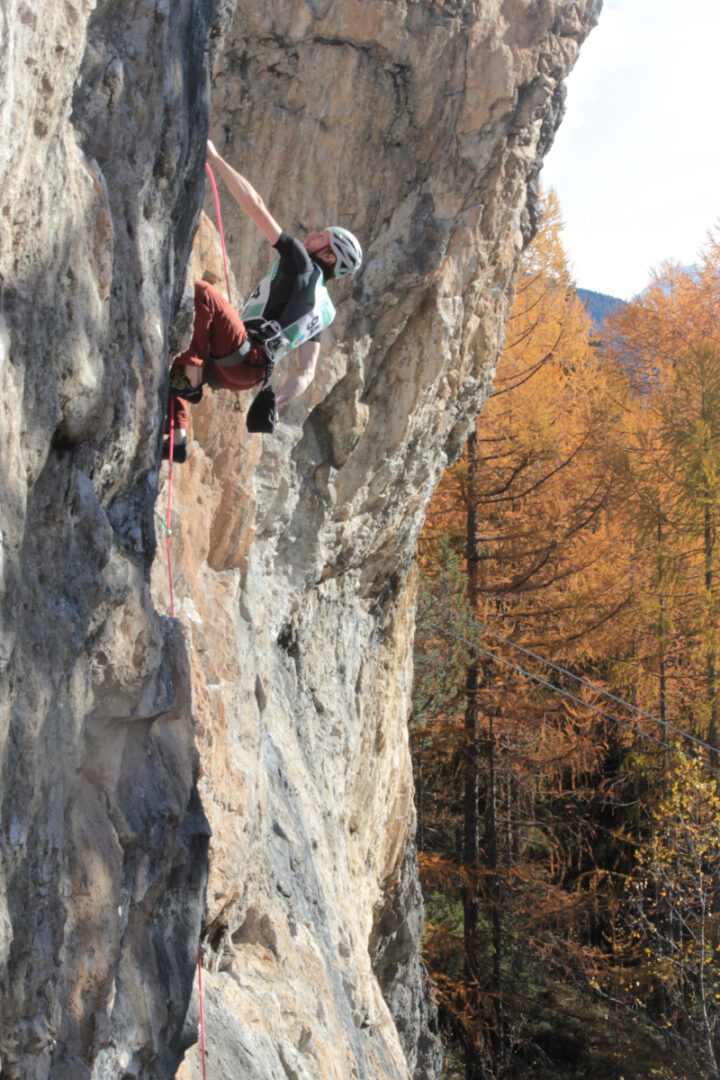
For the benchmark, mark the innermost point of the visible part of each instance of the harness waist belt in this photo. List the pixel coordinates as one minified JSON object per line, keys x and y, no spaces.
{"x":236,"y":357}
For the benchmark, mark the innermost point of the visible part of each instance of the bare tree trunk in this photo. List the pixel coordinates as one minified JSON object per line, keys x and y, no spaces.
{"x":494,"y":894}
{"x":420,"y":806}
{"x":662,"y":635}
{"x":711,"y":663}
{"x":473,"y":1068}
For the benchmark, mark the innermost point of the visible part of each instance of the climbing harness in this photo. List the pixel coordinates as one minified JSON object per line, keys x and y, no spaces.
{"x":202,"y":1009}
{"x":270,"y":337}
{"x":295,"y":333}
{"x":234,"y":358}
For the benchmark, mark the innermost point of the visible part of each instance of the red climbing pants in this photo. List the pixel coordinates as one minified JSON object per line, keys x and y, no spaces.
{"x":218,"y":331}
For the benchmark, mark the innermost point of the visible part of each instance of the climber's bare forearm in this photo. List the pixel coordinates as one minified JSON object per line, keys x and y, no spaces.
{"x":299,"y":379}
{"x":245,"y":194}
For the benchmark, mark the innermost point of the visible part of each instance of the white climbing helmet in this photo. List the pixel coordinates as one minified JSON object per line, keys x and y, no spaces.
{"x":347,"y":251}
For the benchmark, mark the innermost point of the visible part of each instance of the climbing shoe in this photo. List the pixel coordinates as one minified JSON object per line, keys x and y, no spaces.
{"x":180,"y":450}
{"x":181,"y":387}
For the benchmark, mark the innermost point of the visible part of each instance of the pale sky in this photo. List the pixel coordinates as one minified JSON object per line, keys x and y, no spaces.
{"x":636,"y":162}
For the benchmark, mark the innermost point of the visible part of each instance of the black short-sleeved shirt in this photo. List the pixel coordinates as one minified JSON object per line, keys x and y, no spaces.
{"x":291,"y":292}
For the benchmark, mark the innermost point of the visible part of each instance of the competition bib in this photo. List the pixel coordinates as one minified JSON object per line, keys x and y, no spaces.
{"x":304,"y":328}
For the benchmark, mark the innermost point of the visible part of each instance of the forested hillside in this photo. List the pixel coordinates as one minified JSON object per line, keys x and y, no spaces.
{"x":565,"y":728}
{"x":599,"y":305}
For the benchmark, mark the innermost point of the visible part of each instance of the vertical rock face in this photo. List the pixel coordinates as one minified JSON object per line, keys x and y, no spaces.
{"x":103,"y":110}
{"x":274,"y":709}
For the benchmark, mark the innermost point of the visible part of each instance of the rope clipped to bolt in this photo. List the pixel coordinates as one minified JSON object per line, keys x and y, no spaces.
{"x":171,"y":407}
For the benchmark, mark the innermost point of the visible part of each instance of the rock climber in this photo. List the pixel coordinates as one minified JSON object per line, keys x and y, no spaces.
{"x":287,"y":312}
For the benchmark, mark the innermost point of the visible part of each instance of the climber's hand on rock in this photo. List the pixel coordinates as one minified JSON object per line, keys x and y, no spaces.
{"x":212,"y":154}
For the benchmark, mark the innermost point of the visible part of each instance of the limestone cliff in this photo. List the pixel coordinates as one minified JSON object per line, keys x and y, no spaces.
{"x":272,"y":711}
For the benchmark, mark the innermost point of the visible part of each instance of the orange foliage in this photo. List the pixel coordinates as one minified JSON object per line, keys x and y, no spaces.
{"x":597,"y":494}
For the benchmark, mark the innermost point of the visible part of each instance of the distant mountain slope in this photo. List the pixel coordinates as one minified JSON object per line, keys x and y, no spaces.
{"x":599,"y":305}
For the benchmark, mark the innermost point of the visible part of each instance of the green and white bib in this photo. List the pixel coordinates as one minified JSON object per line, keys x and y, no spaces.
{"x":302,"y":329}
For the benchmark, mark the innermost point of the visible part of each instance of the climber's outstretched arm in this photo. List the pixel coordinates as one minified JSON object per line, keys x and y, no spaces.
{"x":298,"y":380}
{"x":243,"y":191}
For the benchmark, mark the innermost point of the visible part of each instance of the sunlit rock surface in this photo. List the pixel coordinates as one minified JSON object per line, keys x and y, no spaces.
{"x":273,"y":710}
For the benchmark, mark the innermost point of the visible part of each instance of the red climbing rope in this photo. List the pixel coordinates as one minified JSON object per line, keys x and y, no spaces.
{"x":171,"y":416}
{"x":202,"y":1011}
{"x":168,"y":523}
{"x":220,"y":228}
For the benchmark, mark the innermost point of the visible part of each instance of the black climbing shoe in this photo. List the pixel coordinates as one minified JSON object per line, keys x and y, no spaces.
{"x":180,"y":451}
{"x":181,"y":387}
